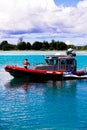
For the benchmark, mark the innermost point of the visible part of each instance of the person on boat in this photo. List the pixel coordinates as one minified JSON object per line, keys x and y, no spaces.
{"x":26,"y":63}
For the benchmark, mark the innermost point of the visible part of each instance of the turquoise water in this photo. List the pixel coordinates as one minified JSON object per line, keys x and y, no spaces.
{"x":25,"y":105}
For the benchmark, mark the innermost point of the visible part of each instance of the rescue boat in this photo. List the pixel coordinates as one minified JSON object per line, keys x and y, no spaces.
{"x":57,"y":67}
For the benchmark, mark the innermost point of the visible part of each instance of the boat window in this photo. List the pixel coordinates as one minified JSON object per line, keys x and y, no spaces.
{"x":48,"y":61}
{"x":55,"y":62}
{"x":63,"y":61}
{"x":70,"y":61}
{"x":51,"y":62}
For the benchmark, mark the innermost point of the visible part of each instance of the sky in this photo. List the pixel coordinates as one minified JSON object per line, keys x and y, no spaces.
{"x":44,"y":20}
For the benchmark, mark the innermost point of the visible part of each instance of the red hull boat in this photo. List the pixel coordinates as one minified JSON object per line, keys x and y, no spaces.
{"x":33,"y":73}
{"x":57,"y":67}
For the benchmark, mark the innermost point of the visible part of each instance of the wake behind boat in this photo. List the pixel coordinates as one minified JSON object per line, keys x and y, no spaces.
{"x":57,"y":67}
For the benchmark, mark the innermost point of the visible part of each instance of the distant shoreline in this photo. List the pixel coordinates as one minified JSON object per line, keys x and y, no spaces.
{"x":38,"y":52}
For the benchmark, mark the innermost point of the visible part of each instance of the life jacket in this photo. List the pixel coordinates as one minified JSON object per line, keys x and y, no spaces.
{"x":25,"y":63}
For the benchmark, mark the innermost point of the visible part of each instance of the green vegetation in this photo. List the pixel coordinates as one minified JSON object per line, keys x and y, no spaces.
{"x":53,"y":45}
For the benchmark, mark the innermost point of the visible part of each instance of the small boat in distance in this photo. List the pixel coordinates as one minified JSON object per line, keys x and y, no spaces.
{"x":57,"y":67}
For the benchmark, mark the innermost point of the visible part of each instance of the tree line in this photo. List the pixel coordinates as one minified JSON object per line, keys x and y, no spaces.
{"x":53,"y":45}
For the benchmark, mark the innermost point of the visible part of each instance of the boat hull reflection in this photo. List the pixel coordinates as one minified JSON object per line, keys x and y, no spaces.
{"x":26,"y":85}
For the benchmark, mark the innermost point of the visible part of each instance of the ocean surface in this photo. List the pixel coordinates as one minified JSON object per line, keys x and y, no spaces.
{"x":51,"y":105}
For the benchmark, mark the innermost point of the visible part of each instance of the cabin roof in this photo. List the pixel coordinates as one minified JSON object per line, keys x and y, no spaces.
{"x":59,"y":57}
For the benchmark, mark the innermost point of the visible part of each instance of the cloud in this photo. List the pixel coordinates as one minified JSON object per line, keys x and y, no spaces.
{"x":42,"y":20}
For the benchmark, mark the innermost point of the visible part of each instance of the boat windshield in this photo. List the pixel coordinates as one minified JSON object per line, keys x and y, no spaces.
{"x":51,"y":61}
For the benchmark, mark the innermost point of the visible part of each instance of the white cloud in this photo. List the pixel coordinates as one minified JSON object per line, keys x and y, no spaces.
{"x":82,"y":4}
{"x":42,"y":19}
{"x":68,"y":42}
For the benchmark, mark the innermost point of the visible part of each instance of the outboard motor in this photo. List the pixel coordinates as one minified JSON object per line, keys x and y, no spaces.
{"x":71,"y":52}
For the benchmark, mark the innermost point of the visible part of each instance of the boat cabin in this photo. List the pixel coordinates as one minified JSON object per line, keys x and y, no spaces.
{"x":64,"y":63}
